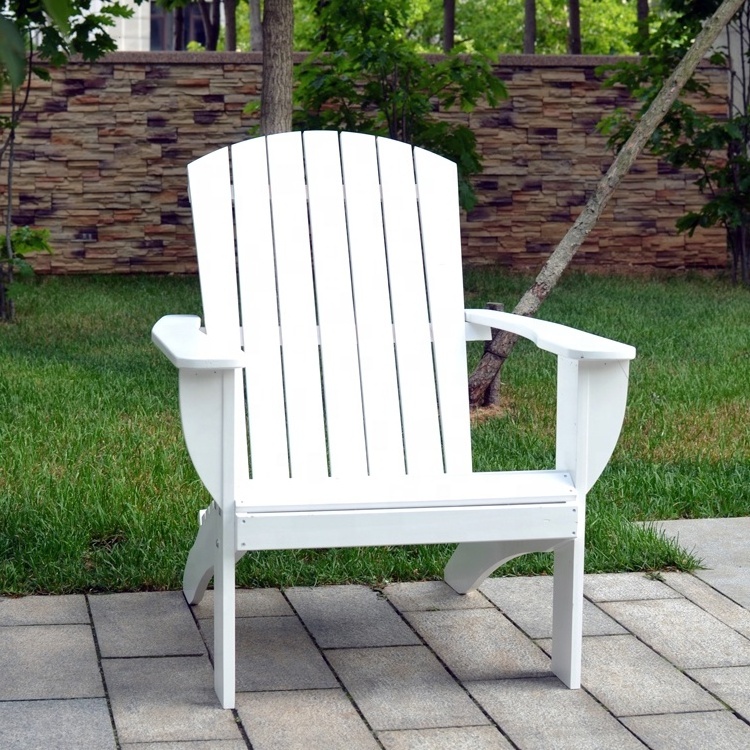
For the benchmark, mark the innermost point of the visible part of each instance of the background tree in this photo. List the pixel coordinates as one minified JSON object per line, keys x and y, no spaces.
{"x":484,"y":381}
{"x":278,"y":75}
{"x":715,"y":148}
{"x":34,"y":36}
{"x":529,"y":27}
{"x":574,"y":27}
{"x":375,"y":80}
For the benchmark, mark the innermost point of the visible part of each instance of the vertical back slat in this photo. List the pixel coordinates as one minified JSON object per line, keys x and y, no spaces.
{"x":441,"y":242}
{"x":338,"y":334}
{"x":301,"y":362}
{"x":416,"y":376}
{"x":211,"y":203}
{"x":380,"y":398}
{"x":260,"y":319}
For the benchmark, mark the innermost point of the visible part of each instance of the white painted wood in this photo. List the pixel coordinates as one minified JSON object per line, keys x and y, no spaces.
{"x":472,"y":562}
{"x":438,"y":490}
{"x":199,"y":568}
{"x":256,"y":268}
{"x":296,"y":300}
{"x":567,"y":610}
{"x":380,"y":396}
{"x":211,"y":203}
{"x":416,"y":375}
{"x":441,"y":239}
{"x":335,"y":305}
{"x":553,"y":337}
{"x":183,"y":342}
{"x":378,"y":311}
{"x":358,"y":528}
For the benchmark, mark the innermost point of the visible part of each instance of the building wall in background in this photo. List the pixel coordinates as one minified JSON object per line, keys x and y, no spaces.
{"x":101,"y":160}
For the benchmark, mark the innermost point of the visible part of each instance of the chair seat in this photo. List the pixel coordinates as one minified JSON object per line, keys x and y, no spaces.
{"x":440,"y":491}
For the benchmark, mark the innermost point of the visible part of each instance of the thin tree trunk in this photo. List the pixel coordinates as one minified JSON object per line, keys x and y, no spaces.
{"x":211,"y":17}
{"x":449,"y":25}
{"x":230,"y":25}
{"x":179,"y":28}
{"x":256,"y":26}
{"x":481,"y":380}
{"x":642,"y":13}
{"x":574,"y":27}
{"x":529,"y":27}
{"x":276,"y":91}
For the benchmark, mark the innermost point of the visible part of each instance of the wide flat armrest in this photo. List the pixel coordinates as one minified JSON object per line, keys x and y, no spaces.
{"x":553,"y":337}
{"x":187,"y":346}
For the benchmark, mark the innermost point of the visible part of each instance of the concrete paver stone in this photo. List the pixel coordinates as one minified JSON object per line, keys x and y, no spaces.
{"x":613,"y":665}
{"x":146,"y":623}
{"x":480,"y":644}
{"x":303,"y":720}
{"x":248,"y":603}
{"x":618,"y":587}
{"x":732,"y":582}
{"x":403,"y":687}
{"x":275,"y":653}
{"x":463,"y":738}
{"x":717,"y":730}
{"x":430,"y":596}
{"x":198,"y":745}
{"x":165,"y":700}
{"x":539,"y":714}
{"x":729,"y":684}
{"x":350,"y":617}
{"x":682,"y":632}
{"x":44,"y":610}
{"x":708,"y":598}
{"x":80,"y":724}
{"x":48,"y":661}
{"x":718,"y":542}
{"x":528,"y":603}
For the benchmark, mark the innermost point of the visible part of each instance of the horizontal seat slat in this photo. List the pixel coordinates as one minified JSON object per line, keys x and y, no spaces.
{"x":554,"y":523}
{"x":443,"y":490}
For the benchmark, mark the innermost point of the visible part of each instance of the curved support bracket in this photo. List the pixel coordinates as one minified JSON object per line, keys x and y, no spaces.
{"x":472,"y":562}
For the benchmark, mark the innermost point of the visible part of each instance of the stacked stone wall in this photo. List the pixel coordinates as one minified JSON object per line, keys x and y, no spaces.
{"x":101,"y":157}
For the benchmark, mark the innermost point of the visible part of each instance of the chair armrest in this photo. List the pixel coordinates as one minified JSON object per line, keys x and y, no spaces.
{"x":185,"y":345}
{"x":553,"y":337}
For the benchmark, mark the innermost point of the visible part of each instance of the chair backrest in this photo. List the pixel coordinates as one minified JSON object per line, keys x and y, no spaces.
{"x":337,"y":259}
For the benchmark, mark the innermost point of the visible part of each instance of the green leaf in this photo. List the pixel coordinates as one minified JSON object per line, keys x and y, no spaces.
{"x":60,"y":12}
{"x":12,"y":52}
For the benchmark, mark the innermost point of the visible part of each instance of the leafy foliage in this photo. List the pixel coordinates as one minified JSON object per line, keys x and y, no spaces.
{"x":374,"y":80}
{"x":717,"y":149}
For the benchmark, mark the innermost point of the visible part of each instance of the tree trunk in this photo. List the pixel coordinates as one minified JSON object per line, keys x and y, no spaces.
{"x":642,"y":13}
{"x":574,"y":27}
{"x":449,"y":25}
{"x":529,"y":27}
{"x":230,"y":25}
{"x":256,"y":26}
{"x":276,"y":90}
{"x":211,"y":17}
{"x":179,"y":28}
{"x":488,"y":370}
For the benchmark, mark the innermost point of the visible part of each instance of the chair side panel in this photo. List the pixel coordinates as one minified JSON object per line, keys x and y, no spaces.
{"x":335,"y":308}
{"x":211,"y":203}
{"x":441,"y":242}
{"x":296,"y":299}
{"x":416,"y":376}
{"x":378,"y":378}
{"x":260,"y":318}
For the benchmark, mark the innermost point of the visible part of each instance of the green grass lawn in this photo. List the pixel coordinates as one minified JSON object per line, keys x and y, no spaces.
{"x":97,"y":492}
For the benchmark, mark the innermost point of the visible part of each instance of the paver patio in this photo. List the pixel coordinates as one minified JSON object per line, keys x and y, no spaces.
{"x":666,"y":664}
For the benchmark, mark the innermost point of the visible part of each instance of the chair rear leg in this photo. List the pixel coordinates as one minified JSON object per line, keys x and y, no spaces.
{"x":472,"y":562}
{"x":567,"y":612}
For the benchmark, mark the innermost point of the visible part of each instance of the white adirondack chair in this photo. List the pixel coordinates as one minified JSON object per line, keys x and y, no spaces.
{"x":334,"y":344}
